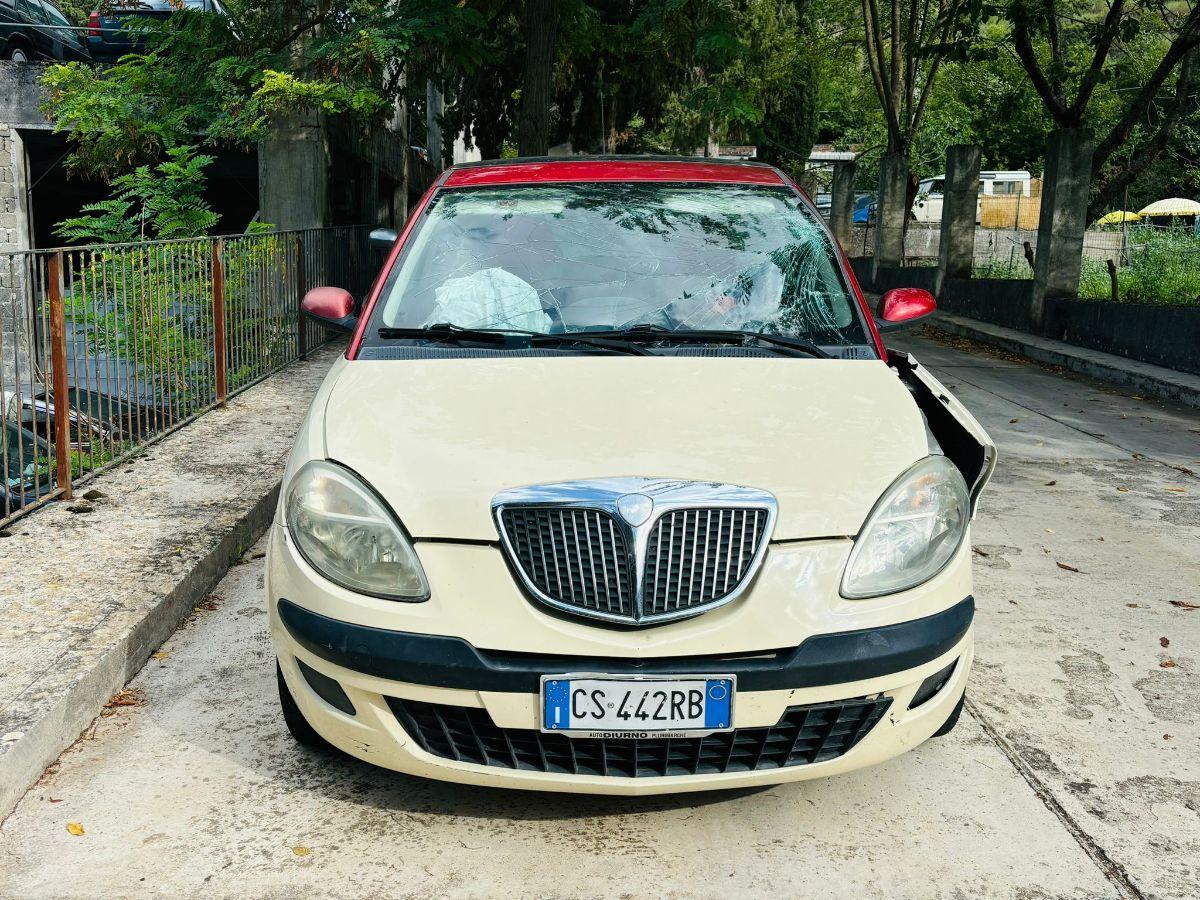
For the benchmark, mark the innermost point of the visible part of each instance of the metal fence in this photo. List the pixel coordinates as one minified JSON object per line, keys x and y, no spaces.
{"x":104,"y":349}
{"x":1005,"y":252}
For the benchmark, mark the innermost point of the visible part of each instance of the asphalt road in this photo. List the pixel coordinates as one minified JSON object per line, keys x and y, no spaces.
{"x":1075,"y":773}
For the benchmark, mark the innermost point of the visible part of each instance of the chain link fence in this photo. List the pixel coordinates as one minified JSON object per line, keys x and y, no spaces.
{"x":1134,"y":262}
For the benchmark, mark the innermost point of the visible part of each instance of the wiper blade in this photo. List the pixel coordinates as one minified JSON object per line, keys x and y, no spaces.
{"x":655,"y":333}
{"x":444,"y":332}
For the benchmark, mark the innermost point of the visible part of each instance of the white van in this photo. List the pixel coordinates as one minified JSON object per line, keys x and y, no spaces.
{"x":928,"y":205}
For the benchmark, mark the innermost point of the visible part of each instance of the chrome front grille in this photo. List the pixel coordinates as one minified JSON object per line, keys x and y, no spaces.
{"x":698,"y":556}
{"x":576,"y":556}
{"x":635,"y":550}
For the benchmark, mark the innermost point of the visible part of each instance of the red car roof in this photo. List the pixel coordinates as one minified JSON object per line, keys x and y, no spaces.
{"x":611,"y":169}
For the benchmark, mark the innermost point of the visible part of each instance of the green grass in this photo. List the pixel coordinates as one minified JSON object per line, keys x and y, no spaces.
{"x":1163,"y":268}
{"x":998,"y":267}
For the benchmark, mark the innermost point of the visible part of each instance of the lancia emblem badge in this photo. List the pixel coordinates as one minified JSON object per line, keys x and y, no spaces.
{"x":635,"y":508}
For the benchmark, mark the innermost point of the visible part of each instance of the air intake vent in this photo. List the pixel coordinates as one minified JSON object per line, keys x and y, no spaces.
{"x":804,"y":735}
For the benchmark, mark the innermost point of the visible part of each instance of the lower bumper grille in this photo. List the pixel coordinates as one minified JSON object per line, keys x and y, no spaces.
{"x":805,"y":734}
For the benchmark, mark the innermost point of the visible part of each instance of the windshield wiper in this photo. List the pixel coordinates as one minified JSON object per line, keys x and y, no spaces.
{"x":444,"y":332}
{"x":656,"y":333}
{"x":588,"y":340}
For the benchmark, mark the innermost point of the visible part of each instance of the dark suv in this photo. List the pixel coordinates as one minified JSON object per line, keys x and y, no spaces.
{"x":110,"y":35}
{"x":37,"y":29}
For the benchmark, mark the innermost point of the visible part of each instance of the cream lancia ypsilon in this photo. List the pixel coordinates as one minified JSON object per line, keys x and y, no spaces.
{"x":618,"y":489}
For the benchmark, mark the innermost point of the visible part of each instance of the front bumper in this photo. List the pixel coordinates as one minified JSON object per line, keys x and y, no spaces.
{"x":412,"y":683}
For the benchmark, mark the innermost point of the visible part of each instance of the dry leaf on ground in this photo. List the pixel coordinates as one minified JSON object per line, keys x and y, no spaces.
{"x":126,"y":697}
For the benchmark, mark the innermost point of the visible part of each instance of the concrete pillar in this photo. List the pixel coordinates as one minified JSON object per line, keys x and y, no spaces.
{"x":375,"y":206}
{"x":892,"y":211}
{"x":16,"y":308}
{"x":1061,"y":223}
{"x":809,"y":183}
{"x":956,"y":249}
{"x":435,"y":105}
{"x":841,"y":202}
{"x":293,"y":173}
{"x":399,"y":125}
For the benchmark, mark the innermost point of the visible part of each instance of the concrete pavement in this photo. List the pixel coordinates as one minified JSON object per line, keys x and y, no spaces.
{"x":96,"y":585}
{"x":1075,"y":774}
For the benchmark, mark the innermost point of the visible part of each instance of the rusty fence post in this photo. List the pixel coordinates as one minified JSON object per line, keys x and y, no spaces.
{"x":218,"y":302}
{"x":301,"y":287}
{"x":58,"y":357}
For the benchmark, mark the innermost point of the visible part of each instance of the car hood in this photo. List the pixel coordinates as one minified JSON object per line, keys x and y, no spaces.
{"x":440,"y":438}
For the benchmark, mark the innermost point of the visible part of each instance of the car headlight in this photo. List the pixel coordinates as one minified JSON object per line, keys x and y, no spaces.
{"x":912,"y":533}
{"x":345,"y":532}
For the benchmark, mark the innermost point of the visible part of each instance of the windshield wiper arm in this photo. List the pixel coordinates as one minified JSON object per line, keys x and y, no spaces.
{"x":789,"y":343}
{"x":651,"y":333}
{"x":588,"y":340}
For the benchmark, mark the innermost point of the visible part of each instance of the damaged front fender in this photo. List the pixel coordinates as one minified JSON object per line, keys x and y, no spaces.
{"x":961,"y":437}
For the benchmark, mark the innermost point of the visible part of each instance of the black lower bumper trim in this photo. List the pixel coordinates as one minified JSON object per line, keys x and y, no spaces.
{"x":451,"y":662}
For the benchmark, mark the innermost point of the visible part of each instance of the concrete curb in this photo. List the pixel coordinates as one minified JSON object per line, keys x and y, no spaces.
{"x":1139,"y":377}
{"x":92,"y":593}
{"x":107,"y":673}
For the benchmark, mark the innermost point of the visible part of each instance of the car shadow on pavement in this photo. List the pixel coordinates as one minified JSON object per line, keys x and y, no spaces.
{"x":359,"y":782}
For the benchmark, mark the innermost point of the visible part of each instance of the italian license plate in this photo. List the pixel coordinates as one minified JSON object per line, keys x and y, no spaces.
{"x":646,"y":706}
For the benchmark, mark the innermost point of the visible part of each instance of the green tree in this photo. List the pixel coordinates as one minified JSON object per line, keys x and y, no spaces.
{"x":162,"y":201}
{"x":1124,"y":70}
{"x":213,"y":79}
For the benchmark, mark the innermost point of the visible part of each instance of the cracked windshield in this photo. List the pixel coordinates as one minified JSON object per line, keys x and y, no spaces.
{"x":579,"y":258}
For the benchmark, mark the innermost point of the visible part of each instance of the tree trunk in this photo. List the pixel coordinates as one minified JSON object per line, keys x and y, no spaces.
{"x":891,"y":210}
{"x":541,"y":34}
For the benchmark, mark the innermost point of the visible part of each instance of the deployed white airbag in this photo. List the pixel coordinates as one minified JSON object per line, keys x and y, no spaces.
{"x":489,"y":298}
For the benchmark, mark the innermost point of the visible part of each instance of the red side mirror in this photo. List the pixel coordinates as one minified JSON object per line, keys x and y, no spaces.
{"x":901,"y":307}
{"x":330,"y":306}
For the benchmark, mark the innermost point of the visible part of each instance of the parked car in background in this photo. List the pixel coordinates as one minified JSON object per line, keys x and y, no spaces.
{"x":114,"y":30}
{"x":27,"y":461}
{"x":930,"y":192}
{"x":702,"y":528}
{"x":36,"y":29}
{"x":864,"y":210}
